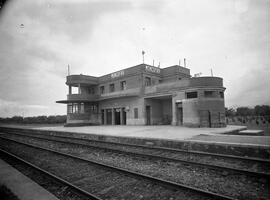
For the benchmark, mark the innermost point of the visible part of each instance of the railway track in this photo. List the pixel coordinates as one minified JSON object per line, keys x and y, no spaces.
{"x":74,"y":192}
{"x":76,"y":149}
{"x":260,"y":167}
{"x":104,"y":181}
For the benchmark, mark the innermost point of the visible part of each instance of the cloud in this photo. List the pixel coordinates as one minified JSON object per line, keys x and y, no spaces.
{"x":99,"y":37}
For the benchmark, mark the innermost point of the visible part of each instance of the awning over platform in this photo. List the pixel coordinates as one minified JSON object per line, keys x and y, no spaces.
{"x":75,"y":101}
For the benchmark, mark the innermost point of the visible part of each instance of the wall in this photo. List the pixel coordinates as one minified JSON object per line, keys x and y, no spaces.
{"x":191,"y":112}
{"x":129,"y":103}
{"x":217,"y":111}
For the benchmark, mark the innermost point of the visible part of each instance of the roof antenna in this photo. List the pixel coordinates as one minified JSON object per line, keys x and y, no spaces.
{"x":159,"y":65}
{"x":153,"y":62}
{"x":211,"y":72}
{"x":143,"y":56}
{"x":185,"y":62}
{"x":179,"y":62}
{"x":68,"y":70}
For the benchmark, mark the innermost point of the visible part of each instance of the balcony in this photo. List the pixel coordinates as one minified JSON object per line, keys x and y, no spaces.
{"x":123,"y":93}
{"x":185,"y":84}
{"x":82,"y":97}
{"x":74,"y":80}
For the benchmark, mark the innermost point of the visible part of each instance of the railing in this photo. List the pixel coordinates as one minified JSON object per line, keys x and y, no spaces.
{"x":82,"y":97}
{"x":122,"y":93}
{"x":186,"y":83}
{"x":81,"y":79}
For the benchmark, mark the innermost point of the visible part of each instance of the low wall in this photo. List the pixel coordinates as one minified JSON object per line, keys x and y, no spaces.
{"x":230,"y":149}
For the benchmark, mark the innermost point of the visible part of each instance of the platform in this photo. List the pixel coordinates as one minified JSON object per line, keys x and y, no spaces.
{"x":251,"y":132}
{"x":156,"y":132}
{"x":21,"y":186}
{"x":213,"y":140}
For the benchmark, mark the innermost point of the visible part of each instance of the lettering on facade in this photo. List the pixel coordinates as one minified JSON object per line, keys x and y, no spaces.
{"x":152,"y":69}
{"x":117,"y":74}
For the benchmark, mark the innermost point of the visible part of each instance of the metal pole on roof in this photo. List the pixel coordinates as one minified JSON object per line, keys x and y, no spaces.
{"x":211,"y":72}
{"x":143,"y":56}
{"x":68,"y":70}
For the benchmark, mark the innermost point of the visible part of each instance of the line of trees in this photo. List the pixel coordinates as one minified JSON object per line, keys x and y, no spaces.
{"x":259,"y":110}
{"x":52,"y":119}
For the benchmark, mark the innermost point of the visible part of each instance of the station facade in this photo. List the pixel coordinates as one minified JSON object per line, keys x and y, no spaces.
{"x":146,"y":95}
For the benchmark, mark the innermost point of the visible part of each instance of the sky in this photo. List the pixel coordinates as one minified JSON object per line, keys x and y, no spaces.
{"x":40,"y":38}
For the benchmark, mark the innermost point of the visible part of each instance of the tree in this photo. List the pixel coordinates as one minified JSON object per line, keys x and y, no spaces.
{"x":244,"y":111}
{"x":230,"y":112}
{"x":262,"y":110}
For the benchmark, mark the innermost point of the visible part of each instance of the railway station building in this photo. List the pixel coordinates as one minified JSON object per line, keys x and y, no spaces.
{"x":145,"y":95}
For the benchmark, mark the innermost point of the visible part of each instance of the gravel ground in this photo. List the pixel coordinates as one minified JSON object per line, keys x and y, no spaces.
{"x":108,"y":185}
{"x":239,"y":186}
{"x":61,"y":191}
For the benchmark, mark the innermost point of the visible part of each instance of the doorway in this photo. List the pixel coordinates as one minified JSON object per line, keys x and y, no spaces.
{"x":117,"y":116}
{"x":124,"y":116}
{"x":102,"y":117}
{"x":148,"y":115}
{"x":109,"y":116}
{"x":179,"y":116}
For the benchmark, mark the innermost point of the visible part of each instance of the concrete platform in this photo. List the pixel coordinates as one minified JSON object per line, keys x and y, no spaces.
{"x":213,"y":140}
{"x":21,"y":186}
{"x":158,"y":132}
{"x":251,"y":132}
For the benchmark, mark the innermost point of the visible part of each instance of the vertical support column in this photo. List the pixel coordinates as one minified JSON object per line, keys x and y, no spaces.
{"x":79,"y":89}
{"x":69,"y":89}
{"x":121,"y":116}
{"x":113,"y":119}
{"x":105,"y":116}
{"x":174,"y":113}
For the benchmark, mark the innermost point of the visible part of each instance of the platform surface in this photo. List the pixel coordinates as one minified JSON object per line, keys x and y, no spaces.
{"x":166,"y":132}
{"x":21,"y":186}
{"x":159,"y":132}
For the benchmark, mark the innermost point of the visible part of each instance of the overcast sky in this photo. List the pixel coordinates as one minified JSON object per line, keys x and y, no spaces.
{"x":39,"y":38}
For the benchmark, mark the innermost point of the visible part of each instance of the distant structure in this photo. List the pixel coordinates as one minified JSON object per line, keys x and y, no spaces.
{"x":146,"y":95}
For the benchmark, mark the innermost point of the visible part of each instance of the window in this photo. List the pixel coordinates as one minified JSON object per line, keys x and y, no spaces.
{"x":147,"y":81}
{"x":112,"y":87}
{"x":136,"y":113}
{"x":102,"y":89}
{"x":93,"y":108}
{"x":123,"y":85}
{"x":82,"y":108}
{"x":209,"y":93}
{"x":75,"y":108}
{"x":221,"y":94}
{"x":192,"y":95}
{"x":69,"y":108}
{"x":91,"y":90}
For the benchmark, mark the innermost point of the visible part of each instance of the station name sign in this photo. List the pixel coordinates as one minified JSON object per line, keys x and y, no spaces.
{"x":118,"y":74}
{"x":152,"y":69}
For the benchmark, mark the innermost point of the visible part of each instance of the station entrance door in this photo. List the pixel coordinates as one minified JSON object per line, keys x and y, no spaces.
{"x":148,"y":115}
